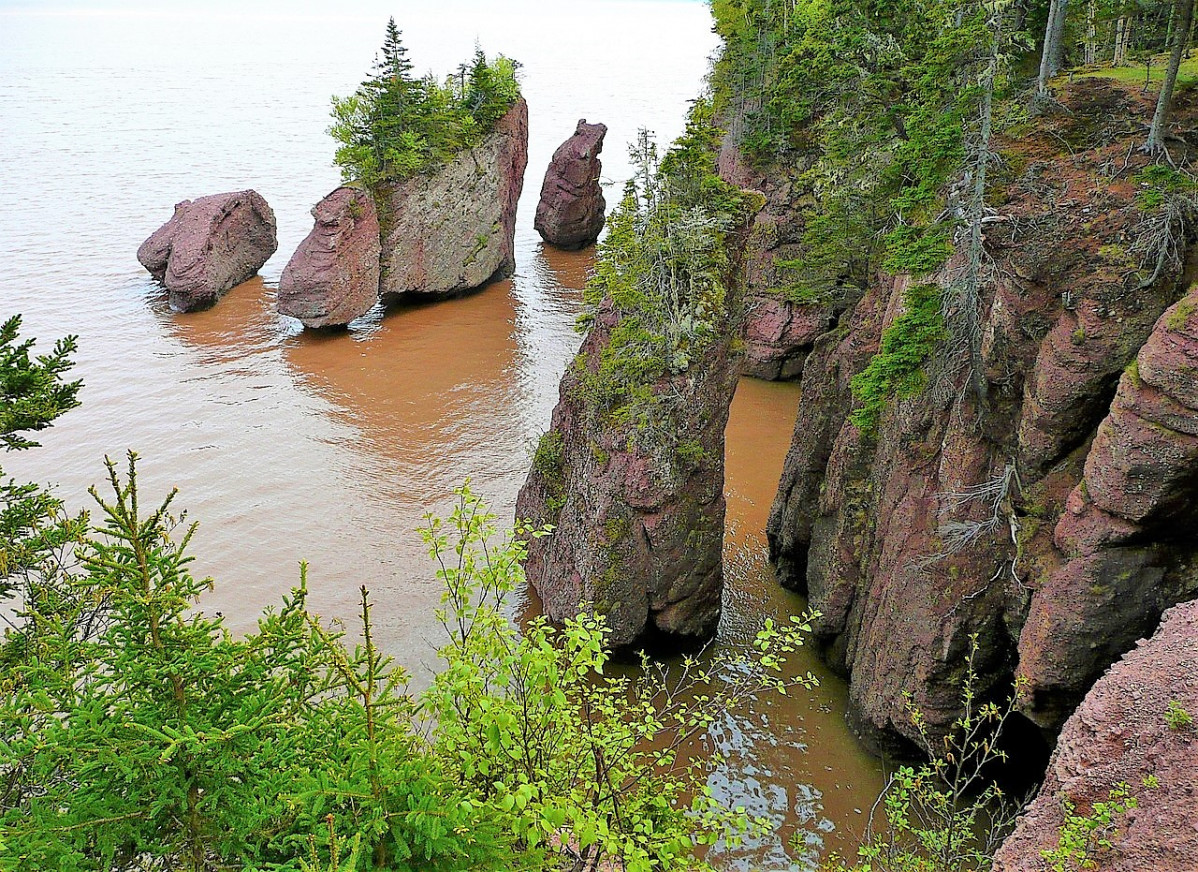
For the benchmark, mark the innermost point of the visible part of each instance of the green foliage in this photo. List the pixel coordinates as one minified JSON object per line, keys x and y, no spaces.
{"x":876,"y":102}
{"x":549,"y":461}
{"x":897,"y":368}
{"x":662,"y":271}
{"x":33,"y":394}
{"x":396,"y":126}
{"x":1085,"y":837}
{"x":139,"y":734}
{"x":578,"y":761}
{"x":1159,"y":183}
{"x":1177,"y":717}
{"x":944,"y":816}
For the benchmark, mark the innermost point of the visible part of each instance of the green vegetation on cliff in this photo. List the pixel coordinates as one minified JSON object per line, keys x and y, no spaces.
{"x":396,"y":125}
{"x":664,"y":269}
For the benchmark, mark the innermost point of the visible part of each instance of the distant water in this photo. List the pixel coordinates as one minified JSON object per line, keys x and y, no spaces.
{"x":330,"y":449}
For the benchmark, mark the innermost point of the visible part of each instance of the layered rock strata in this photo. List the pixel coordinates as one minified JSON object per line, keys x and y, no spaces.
{"x":209,"y":246}
{"x":453,"y":230}
{"x":333,"y":277}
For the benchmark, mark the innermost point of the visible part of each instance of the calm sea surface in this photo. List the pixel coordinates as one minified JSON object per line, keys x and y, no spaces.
{"x":330,"y":449}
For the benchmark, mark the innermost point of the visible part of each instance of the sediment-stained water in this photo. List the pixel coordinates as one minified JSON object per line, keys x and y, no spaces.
{"x":288,"y":446}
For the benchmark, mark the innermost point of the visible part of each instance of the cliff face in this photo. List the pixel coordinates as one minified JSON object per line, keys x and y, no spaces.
{"x":947,"y":522}
{"x":1130,"y":728}
{"x":454,"y":230}
{"x":781,"y":323}
{"x":638,"y":525}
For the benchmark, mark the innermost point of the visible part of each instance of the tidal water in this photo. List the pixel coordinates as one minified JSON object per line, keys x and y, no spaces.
{"x":287,"y":446}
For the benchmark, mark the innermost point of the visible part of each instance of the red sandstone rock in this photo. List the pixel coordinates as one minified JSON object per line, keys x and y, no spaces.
{"x":571,"y":210}
{"x":865,"y":523}
{"x":333,"y":277}
{"x":209,"y":246}
{"x":454,"y":230}
{"x":1138,"y":489}
{"x":1120,"y":735}
{"x":779,"y":329}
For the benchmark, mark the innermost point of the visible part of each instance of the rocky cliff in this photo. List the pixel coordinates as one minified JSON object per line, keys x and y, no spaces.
{"x":631,"y":472}
{"x":1057,"y":501}
{"x":782,"y":320}
{"x":1135,"y":732}
{"x":453,"y":230}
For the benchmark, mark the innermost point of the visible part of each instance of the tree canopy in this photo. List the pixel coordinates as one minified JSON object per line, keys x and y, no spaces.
{"x":397,"y":125}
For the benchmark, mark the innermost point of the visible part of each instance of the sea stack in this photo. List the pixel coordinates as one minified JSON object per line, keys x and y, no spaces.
{"x":333,"y":277}
{"x":570,"y":213}
{"x":209,"y":246}
{"x":453,"y":230}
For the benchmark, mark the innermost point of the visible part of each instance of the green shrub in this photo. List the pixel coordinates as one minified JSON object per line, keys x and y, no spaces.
{"x":897,"y":368}
{"x":140,"y":734}
{"x":1177,"y":717}
{"x":1085,"y":837}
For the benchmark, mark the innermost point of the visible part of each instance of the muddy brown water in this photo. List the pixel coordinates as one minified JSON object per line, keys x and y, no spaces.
{"x":288,"y":446}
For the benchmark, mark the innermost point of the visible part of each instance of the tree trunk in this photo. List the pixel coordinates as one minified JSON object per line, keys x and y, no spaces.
{"x":1181,"y":37}
{"x":1122,"y":28}
{"x":1054,"y":43}
{"x":1091,"y":33}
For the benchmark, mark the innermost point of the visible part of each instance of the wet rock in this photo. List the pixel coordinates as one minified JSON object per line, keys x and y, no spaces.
{"x":453,"y":231}
{"x":1137,"y":492}
{"x":333,"y":277}
{"x":209,"y":246}
{"x":1121,"y":735}
{"x":570,"y":212}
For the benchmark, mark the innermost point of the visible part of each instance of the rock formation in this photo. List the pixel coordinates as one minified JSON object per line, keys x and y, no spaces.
{"x":570,"y":212}
{"x":782,"y":321}
{"x":1118,"y":571}
{"x":1124,"y":734}
{"x":638,"y":527}
{"x":209,"y":246}
{"x":940,"y":525}
{"x":333,"y":277}
{"x":452,"y":231}
{"x":631,"y":472}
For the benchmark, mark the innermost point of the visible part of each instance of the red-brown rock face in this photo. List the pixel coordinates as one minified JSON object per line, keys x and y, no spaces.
{"x":639,"y":527}
{"x":1119,"y":572}
{"x":454,"y":230}
{"x":1122,"y":735}
{"x":941,"y":524}
{"x":209,"y":246}
{"x":333,"y":277}
{"x":781,"y":324}
{"x":570,"y":212}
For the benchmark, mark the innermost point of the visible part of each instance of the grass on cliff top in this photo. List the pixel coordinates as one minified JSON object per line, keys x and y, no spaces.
{"x":1134,"y":74}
